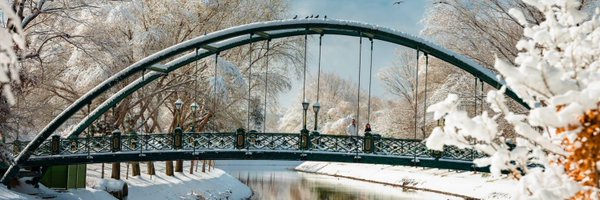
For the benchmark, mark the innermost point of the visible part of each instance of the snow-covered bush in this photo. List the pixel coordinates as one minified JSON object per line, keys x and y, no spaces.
{"x":558,"y":76}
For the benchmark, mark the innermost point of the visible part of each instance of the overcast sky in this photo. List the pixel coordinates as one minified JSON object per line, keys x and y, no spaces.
{"x":340,"y":53}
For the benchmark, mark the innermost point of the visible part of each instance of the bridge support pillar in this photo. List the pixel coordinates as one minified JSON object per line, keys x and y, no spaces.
{"x":240,"y":138}
{"x":368,"y":143}
{"x":304,"y":140}
{"x":115,"y":145}
{"x":115,"y":141}
{"x":178,"y":138}
{"x":55,"y":145}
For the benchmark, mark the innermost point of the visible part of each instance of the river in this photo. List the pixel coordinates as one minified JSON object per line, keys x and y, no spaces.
{"x":278,"y":180}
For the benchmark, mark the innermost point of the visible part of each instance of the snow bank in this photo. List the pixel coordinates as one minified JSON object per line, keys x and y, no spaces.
{"x":215,"y":184}
{"x":5,"y":193}
{"x":27,"y":191}
{"x":476,"y":185}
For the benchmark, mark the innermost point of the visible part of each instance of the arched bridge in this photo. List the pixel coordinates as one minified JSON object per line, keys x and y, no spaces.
{"x":255,"y":146}
{"x":177,"y":56}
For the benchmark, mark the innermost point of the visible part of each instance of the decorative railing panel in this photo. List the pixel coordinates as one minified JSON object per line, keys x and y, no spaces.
{"x":158,"y":142}
{"x":337,"y":143}
{"x":272,"y":141}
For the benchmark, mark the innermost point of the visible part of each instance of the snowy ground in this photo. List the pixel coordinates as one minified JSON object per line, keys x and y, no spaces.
{"x":26,"y":191}
{"x":476,"y":185}
{"x":215,"y":184}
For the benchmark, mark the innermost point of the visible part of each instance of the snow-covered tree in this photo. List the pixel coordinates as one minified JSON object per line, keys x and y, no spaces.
{"x":11,"y":39}
{"x":339,"y":104}
{"x":557,"y":75}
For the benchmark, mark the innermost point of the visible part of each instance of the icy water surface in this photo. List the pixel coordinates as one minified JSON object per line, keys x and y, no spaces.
{"x":277,"y":180}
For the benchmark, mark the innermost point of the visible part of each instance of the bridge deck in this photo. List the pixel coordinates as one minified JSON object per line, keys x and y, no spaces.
{"x":256,"y":146}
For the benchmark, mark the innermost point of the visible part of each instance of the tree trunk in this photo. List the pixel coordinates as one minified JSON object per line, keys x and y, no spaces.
{"x":127,"y":172}
{"x":169,"y":168}
{"x":179,"y":166}
{"x":135,"y":169}
{"x":116,"y":171}
{"x":102,"y":176}
{"x":191,"y":166}
{"x":150,"y":168}
{"x":204,"y":166}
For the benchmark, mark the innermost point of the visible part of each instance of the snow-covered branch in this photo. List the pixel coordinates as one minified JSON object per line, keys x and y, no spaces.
{"x":558,"y":75}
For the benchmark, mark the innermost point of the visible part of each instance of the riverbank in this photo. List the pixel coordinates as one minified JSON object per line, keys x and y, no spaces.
{"x":279,"y":180}
{"x":215,"y":184}
{"x":460,"y":184}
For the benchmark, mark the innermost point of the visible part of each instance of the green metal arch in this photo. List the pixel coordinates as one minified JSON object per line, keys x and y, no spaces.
{"x":266,"y":30}
{"x":182,"y":61}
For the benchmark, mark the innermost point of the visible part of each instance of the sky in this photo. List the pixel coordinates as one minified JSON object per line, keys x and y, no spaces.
{"x":340,"y":53}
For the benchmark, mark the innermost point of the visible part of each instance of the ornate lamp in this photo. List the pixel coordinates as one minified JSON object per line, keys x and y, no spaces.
{"x":194,"y":108}
{"x":305,"y":108}
{"x":316,"y":108}
{"x":178,"y":106}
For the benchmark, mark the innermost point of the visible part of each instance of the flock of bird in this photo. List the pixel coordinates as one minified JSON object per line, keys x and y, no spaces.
{"x":311,"y":16}
{"x":325,"y":17}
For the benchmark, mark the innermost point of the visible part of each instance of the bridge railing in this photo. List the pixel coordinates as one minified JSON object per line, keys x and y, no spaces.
{"x":252,"y":141}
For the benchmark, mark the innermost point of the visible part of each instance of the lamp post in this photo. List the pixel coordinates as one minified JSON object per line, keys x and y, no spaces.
{"x":178,"y":105}
{"x":304,"y":137}
{"x":194,"y":108}
{"x":316,"y":108}
{"x":305,"y":108}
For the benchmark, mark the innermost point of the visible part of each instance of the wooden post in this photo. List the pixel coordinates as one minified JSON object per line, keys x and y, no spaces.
{"x":116,"y":171}
{"x":150,"y":168}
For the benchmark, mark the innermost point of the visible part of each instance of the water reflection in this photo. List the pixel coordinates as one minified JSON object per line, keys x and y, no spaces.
{"x":276,"y":180}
